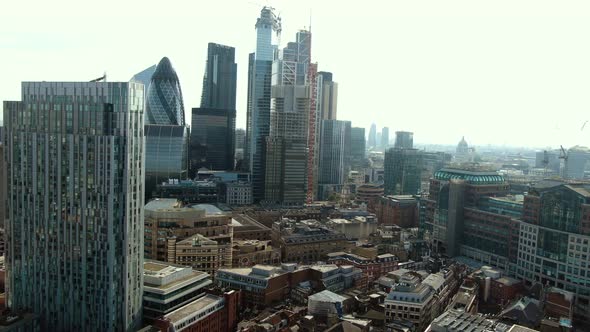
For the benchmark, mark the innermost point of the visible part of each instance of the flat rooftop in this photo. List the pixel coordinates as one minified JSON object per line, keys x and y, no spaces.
{"x":162,"y":204}
{"x":192,"y":308}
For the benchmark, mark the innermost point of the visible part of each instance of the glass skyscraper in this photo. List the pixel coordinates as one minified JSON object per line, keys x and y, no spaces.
{"x":357,"y":147}
{"x":334,"y":154}
{"x":219,"y":81}
{"x":166,"y":132}
{"x":212,"y":139}
{"x":74,"y":251}
{"x":258,"y":112}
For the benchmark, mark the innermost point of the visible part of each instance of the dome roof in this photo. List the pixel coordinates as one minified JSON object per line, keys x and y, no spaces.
{"x":463,"y":142}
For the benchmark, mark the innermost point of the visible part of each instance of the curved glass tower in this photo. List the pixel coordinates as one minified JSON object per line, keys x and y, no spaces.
{"x":164,"y":98}
{"x":166,"y":135}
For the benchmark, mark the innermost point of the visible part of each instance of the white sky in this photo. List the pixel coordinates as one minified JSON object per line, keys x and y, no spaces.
{"x":499,"y":72}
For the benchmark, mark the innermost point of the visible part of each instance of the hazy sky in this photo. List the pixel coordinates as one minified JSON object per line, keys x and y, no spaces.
{"x":499,"y":72}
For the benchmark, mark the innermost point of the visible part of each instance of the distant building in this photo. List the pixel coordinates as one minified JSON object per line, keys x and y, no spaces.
{"x":162,"y":282}
{"x":575,"y":165}
{"x":404,"y":140}
{"x":548,"y":160}
{"x":384,"y":138}
{"x":403,"y":171}
{"x":188,"y":191}
{"x":145,"y":77}
{"x":354,"y":228}
{"x":247,"y":228}
{"x":462,"y":148}
{"x":236,"y":193}
{"x":334,"y":155}
{"x":372,"y":140}
{"x":327,"y":105}
{"x":212,"y":139}
{"x":358,"y":150}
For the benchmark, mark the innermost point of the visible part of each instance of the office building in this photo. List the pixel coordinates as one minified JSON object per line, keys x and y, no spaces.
{"x":287,"y":146}
{"x":85,"y":185}
{"x":167,"y":287}
{"x":200,"y":252}
{"x":554,"y":241}
{"x":219,"y":81}
{"x":384,"y":143}
{"x":327,"y":102}
{"x":469,"y":213}
{"x":212,"y":139}
{"x":145,"y":77}
{"x":302,"y":242}
{"x":400,"y":210}
{"x":166,"y":142}
{"x":252,"y":252}
{"x":258,"y":111}
{"x":188,"y":191}
{"x":404,"y":140}
{"x":334,"y":155}
{"x":548,"y":159}
{"x":235,"y":193}
{"x":403,"y":171}
{"x":357,"y":148}
{"x":575,"y":165}
{"x":372,"y":140}
{"x":167,"y":222}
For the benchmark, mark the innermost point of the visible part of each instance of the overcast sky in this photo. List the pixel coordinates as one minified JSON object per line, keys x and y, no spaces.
{"x":497,"y":72}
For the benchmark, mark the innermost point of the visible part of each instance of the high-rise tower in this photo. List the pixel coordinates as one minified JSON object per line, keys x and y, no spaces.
{"x":404,"y":140}
{"x":372,"y":142}
{"x":385,"y":138}
{"x":219,"y":81}
{"x":214,"y":123}
{"x":334,"y":156}
{"x":258,"y":111}
{"x":166,"y":133}
{"x":74,"y":252}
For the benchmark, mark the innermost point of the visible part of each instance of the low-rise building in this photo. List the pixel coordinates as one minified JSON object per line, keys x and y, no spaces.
{"x":355,"y":228}
{"x":168,"y":222}
{"x":168,"y":287}
{"x":326,"y":306}
{"x":252,"y":252}
{"x":455,"y":320}
{"x":247,"y":228}
{"x":372,"y":268}
{"x":201,"y":253}
{"x":235,"y":193}
{"x":400,"y":210}
{"x":410,"y":300}
{"x":211,"y":312}
{"x":305,"y":242}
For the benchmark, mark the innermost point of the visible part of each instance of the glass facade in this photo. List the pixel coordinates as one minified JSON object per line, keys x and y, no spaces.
{"x":219,"y":81}
{"x":164,"y":97}
{"x":212,"y":139}
{"x":166,"y":155}
{"x":357,"y":147}
{"x":403,"y":170}
{"x":334,"y":152}
{"x":74,"y":157}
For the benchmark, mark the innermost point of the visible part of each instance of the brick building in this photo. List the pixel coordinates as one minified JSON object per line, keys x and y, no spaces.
{"x":400,"y":210}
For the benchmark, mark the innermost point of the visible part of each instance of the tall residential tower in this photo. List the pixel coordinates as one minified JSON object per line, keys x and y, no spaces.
{"x":74,"y":252}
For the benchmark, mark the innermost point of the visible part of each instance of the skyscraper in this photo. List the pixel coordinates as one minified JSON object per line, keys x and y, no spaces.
{"x":403,"y":169}
{"x":214,"y":123}
{"x":334,"y":156}
{"x":357,"y":147}
{"x":212,"y":139}
{"x":166,"y":133}
{"x":287,"y":146}
{"x":327,"y":96}
{"x":404,"y":140}
{"x":219,"y":81}
{"x":372,"y":142}
{"x":258,"y":111}
{"x":74,"y":157}
{"x":575,"y":165}
{"x":145,"y":77}
{"x":385,"y":138}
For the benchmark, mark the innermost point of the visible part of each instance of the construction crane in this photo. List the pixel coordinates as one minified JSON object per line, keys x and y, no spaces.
{"x":563,"y":155}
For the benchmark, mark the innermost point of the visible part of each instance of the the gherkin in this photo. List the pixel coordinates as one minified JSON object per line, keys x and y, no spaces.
{"x":164,"y":97}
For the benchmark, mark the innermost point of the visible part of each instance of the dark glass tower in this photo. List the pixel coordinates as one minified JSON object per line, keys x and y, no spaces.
{"x":212,"y":139}
{"x":166,"y":142}
{"x":219,"y":81}
{"x":357,"y":147}
{"x":213,"y":124}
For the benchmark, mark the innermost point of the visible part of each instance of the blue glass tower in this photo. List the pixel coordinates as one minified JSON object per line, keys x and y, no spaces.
{"x":164,"y":97}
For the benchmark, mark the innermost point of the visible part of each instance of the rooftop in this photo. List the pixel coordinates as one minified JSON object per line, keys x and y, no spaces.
{"x":193,"y":308}
{"x":471,"y":175}
{"x":209,"y":209}
{"x":162,"y":204}
{"x":326,"y":296}
{"x":163,"y":276}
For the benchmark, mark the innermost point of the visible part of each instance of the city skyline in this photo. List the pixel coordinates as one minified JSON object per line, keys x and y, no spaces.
{"x":522,"y":65}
